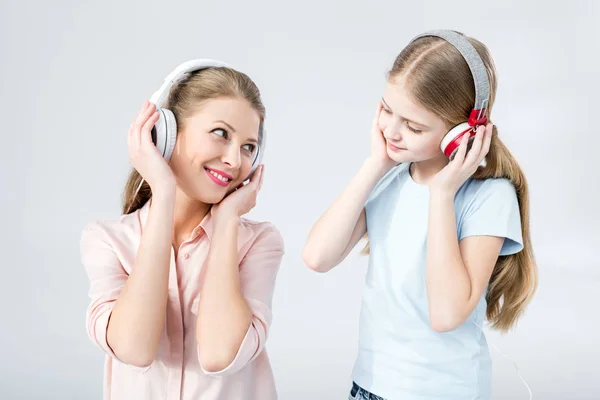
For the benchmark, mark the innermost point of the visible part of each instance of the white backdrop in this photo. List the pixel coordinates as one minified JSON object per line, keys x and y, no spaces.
{"x":73,"y":74}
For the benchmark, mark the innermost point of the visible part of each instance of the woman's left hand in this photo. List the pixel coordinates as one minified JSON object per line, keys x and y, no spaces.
{"x":464,"y":164}
{"x":242,"y":200}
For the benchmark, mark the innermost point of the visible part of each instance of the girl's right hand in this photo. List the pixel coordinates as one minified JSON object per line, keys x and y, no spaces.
{"x":379,"y":157}
{"x":144,"y":155}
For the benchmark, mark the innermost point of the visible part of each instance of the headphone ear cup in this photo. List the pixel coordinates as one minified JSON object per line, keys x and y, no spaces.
{"x":450,"y":143}
{"x":164,"y":133}
{"x":260,"y":151}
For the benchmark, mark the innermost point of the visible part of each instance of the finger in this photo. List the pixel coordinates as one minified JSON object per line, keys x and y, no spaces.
{"x":141,"y":120}
{"x":129,"y":135}
{"x":475,"y":151}
{"x":144,"y":114}
{"x":258,"y":178}
{"x":462,"y":148}
{"x":487,"y":141}
{"x":146,"y":137}
{"x":255,"y":176}
{"x":141,"y":110}
{"x":262,"y":176}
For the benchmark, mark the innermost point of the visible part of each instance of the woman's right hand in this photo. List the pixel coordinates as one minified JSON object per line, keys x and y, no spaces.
{"x":379,"y":157}
{"x":143,"y":153}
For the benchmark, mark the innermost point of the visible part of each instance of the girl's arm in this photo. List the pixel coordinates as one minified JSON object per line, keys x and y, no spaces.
{"x":338,"y":230}
{"x":457,"y":273}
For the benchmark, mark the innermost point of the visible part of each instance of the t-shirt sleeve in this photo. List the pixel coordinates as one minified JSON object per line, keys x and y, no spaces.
{"x":494,"y":212}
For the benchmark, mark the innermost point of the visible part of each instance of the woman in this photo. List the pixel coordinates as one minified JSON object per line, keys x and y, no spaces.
{"x":181,"y":285}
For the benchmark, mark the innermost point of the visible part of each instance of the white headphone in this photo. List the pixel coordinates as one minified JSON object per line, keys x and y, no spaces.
{"x":478,"y":116}
{"x":164,"y":132}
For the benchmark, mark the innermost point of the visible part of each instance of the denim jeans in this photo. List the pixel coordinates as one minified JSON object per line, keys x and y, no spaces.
{"x":358,"y":393}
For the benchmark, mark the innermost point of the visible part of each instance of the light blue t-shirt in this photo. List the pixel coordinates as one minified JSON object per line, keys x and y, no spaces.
{"x":400,"y":356}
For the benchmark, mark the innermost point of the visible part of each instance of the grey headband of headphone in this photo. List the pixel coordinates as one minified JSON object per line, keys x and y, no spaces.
{"x":480,"y":76}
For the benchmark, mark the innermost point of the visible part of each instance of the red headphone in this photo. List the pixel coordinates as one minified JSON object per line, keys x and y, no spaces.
{"x":478,"y":116}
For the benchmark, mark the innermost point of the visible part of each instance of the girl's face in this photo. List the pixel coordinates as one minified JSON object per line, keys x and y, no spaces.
{"x":412,"y":132}
{"x":215,"y":149}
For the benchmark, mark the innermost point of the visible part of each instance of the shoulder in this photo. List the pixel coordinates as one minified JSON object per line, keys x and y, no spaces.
{"x":397,"y":172}
{"x":121,"y":228}
{"x":496,"y":189}
{"x":263,"y":234}
{"x":493,"y":199}
{"x":393,"y":174}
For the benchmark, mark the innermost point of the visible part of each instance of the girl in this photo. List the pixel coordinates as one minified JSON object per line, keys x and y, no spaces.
{"x":181,"y":284}
{"x":448,"y":240}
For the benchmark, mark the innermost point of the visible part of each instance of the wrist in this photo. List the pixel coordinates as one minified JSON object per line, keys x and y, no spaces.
{"x":437,"y":193}
{"x":165,"y":189}
{"x":164,"y":195}
{"x":225,"y":218}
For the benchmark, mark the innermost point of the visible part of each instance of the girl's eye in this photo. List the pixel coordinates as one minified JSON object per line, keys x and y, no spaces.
{"x":413,"y":130}
{"x":220,"y":132}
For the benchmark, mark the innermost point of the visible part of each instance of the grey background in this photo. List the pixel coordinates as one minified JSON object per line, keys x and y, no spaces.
{"x":74,"y":73}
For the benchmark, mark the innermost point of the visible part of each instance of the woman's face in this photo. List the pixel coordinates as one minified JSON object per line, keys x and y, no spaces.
{"x":215,"y":149}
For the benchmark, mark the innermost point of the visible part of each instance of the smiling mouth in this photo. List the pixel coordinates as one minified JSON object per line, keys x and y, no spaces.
{"x":217,"y":177}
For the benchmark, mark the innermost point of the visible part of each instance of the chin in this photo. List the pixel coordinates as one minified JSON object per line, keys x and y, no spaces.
{"x":401,"y":156}
{"x":207,"y":194}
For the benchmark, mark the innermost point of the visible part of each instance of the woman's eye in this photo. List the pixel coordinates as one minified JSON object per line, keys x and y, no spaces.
{"x":385,"y":110}
{"x":220,"y":132}
{"x":250,"y":147}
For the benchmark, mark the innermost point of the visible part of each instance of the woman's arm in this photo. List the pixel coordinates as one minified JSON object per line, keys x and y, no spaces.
{"x":223,"y":313}
{"x":234,"y":309}
{"x":138,"y":318}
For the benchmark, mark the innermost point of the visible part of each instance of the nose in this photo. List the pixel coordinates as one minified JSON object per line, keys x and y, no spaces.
{"x":232,"y":156}
{"x":392,"y":131}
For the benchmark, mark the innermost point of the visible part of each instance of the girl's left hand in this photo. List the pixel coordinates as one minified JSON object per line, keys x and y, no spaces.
{"x":462,"y":167}
{"x":242,"y":200}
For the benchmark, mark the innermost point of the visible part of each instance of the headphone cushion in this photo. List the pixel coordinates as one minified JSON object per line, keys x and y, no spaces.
{"x":171,"y":133}
{"x":164,"y":133}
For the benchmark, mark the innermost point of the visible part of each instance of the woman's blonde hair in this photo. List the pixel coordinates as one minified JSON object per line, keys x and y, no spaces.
{"x":438,"y":77}
{"x":185,"y":99}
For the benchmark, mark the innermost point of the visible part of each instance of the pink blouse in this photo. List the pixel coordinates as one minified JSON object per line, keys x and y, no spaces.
{"x":108,"y":250}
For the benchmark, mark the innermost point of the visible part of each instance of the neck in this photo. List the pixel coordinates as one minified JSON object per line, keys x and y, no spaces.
{"x":188,"y":214}
{"x":423,"y":171}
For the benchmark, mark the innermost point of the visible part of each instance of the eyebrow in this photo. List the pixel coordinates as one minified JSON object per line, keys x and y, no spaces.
{"x":406,"y":119}
{"x":251,"y":139}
